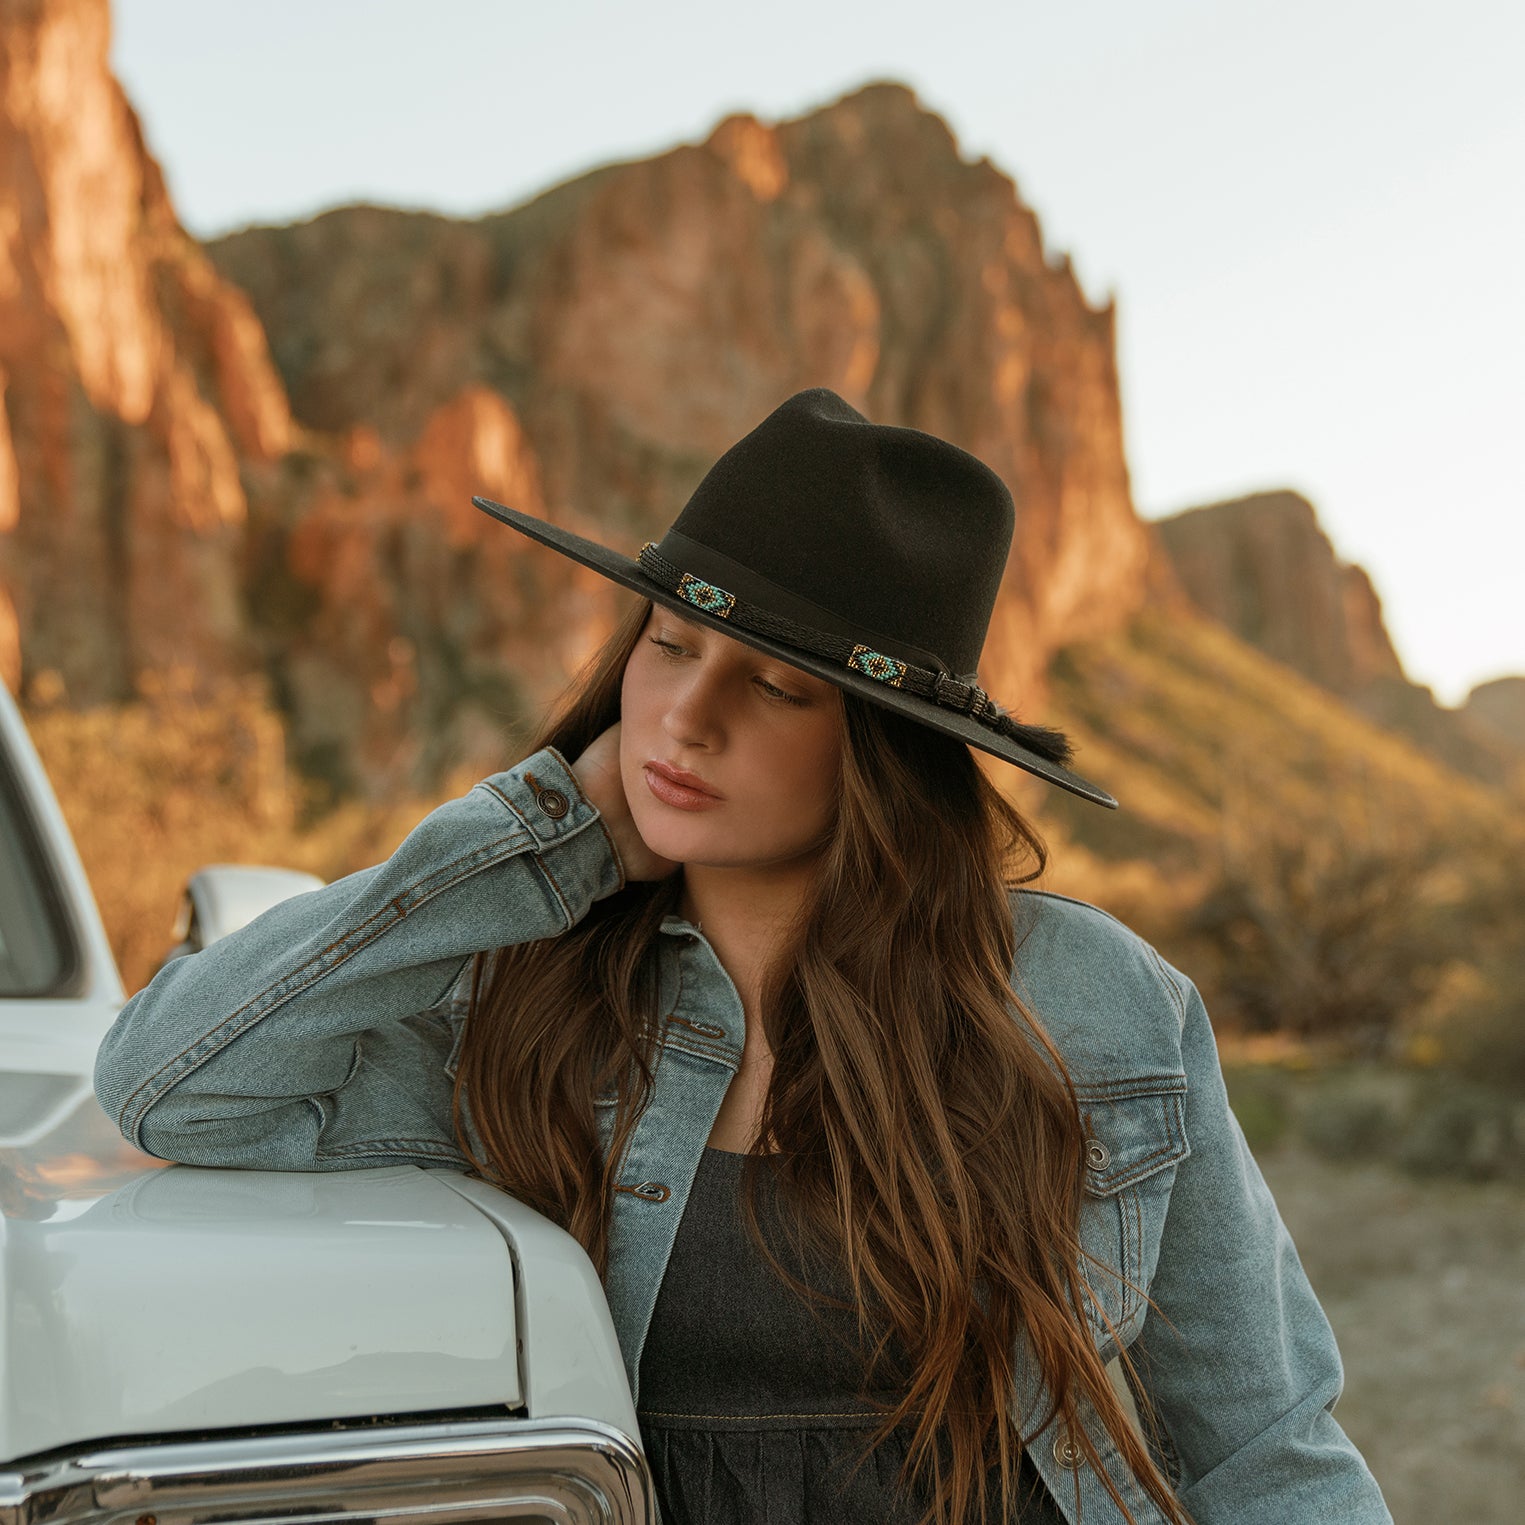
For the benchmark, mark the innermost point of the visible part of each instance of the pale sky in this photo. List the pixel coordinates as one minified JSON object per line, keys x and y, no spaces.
{"x":1310,"y":210}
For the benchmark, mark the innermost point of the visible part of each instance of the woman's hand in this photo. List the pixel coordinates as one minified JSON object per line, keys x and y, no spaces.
{"x":597,"y":771}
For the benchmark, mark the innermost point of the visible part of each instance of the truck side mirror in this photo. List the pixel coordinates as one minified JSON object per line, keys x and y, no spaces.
{"x":222,"y":897}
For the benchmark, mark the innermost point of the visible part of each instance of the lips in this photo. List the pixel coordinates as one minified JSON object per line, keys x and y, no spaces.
{"x":682,"y":776}
{"x":670,"y":785}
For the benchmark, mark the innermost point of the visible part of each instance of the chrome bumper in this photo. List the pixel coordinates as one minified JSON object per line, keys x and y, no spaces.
{"x":551,"y":1472}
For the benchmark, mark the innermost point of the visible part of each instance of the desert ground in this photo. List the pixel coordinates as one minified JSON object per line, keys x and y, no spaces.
{"x":1424,"y":1283}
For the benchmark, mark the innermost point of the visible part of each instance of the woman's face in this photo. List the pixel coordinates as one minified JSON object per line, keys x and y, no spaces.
{"x":762,"y":739}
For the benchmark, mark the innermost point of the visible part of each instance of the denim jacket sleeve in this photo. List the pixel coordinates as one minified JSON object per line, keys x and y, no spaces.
{"x":318,"y":1037}
{"x":1235,"y":1352}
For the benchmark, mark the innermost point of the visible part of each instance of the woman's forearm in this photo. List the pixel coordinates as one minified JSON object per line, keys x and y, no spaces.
{"x":304,"y":1038}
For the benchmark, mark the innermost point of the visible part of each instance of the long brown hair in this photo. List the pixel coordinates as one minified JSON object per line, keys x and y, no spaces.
{"x":923,"y":1122}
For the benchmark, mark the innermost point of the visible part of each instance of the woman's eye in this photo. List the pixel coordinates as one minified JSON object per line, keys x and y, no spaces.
{"x":777,"y":693}
{"x":772,"y":690}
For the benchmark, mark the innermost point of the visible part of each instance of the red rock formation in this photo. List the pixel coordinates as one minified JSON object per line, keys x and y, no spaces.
{"x":1498,"y":707}
{"x":407,"y":629}
{"x":133,"y":377}
{"x":1262,"y":566}
{"x":643,"y":317}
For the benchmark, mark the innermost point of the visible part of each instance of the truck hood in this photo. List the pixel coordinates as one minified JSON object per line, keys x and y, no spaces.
{"x":144,"y":1299}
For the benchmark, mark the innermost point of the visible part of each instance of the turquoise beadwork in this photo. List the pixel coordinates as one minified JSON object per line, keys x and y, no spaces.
{"x":874,"y":664}
{"x":705,"y":595}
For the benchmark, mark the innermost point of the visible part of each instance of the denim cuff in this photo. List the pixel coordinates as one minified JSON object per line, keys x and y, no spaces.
{"x":574,"y":847}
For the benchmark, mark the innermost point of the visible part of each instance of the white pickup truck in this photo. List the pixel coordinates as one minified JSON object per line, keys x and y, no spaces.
{"x":180,"y":1346}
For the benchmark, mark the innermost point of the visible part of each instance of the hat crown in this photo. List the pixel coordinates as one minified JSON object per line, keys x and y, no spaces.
{"x":876,"y":533}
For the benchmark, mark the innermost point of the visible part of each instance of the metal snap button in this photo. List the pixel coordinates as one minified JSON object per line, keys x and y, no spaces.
{"x":1098,"y":1156}
{"x":553,"y":802}
{"x":1066,"y":1452}
{"x":648,"y":1191}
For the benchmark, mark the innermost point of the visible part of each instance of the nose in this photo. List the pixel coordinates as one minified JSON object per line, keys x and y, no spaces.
{"x":696,"y":711}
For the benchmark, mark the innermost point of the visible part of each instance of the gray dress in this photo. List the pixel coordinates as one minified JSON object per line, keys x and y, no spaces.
{"x":751,"y":1409}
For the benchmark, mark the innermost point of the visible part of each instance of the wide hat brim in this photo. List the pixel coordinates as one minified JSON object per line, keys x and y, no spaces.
{"x":628,"y":573}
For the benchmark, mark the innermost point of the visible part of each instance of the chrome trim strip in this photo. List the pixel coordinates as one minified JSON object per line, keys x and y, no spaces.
{"x":550,"y":1471}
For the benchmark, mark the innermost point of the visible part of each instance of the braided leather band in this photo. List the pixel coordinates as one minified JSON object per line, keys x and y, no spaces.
{"x":941,"y":687}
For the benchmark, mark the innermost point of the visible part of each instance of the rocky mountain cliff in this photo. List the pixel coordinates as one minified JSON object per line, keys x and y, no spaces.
{"x":135,"y":384}
{"x":1498,"y":707}
{"x":1262,"y":566}
{"x":261,"y":461}
{"x":628,"y":326}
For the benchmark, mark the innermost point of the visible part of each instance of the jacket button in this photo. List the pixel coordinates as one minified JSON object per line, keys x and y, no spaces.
{"x":1098,"y":1156}
{"x":553,"y":802}
{"x":648,"y":1191}
{"x":1066,"y":1452}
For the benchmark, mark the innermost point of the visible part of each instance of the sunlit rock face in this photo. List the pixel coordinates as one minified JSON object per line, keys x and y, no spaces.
{"x":134,"y":380}
{"x":1262,"y":566}
{"x":643,"y":317}
{"x":406,"y":631}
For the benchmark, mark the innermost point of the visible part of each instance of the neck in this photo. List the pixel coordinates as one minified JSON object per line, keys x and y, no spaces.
{"x":744,"y":914}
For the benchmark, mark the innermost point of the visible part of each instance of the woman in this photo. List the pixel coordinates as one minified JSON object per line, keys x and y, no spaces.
{"x":872,"y":1149}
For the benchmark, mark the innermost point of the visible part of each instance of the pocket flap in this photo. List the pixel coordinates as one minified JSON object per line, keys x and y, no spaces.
{"x":1134,"y":1127}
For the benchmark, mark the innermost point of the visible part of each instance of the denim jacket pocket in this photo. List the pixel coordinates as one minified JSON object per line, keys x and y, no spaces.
{"x":1135,"y":1136}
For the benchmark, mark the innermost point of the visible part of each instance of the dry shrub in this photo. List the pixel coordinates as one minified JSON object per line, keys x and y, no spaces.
{"x":1482,"y":1036}
{"x":1327,"y":939}
{"x":1476,"y":1028}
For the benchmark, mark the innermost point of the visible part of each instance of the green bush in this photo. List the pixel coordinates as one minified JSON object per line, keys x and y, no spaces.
{"x":1261,"y":1096}
{"x":1343,"y":1126}
{"x":1457,"y":1129}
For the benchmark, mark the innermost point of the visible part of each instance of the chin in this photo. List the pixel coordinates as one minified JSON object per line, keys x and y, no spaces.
{"x":714,"y":846}
{"x":707,"y":844}
{"x":680,"y":841}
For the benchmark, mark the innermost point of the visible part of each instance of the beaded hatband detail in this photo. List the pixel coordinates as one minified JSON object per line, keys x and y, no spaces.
{"x":874,"y":664}
{"x":705,"y":595}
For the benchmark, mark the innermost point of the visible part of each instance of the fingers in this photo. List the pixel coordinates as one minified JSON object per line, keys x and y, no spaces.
{"x":597,"y":771}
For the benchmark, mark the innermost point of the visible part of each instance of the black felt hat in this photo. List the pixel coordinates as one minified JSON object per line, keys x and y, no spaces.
{"x":867,"y":555}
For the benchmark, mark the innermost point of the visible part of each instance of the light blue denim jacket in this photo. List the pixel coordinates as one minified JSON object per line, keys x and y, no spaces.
{"x":322,"y":1036}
